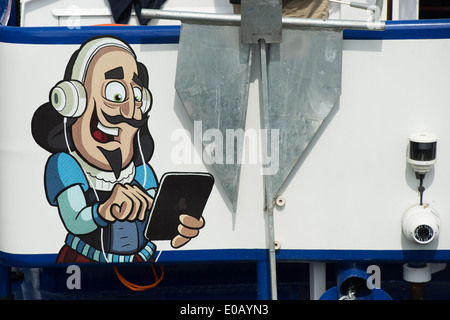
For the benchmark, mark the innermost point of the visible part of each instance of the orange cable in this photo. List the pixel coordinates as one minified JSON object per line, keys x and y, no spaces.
{"x":136,"y":287}
{"x":110,"y":25}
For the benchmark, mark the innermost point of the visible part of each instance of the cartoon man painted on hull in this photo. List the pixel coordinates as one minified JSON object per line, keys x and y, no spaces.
{"x":95,"y":126}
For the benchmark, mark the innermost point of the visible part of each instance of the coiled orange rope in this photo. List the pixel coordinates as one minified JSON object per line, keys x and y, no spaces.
{"x":136,"y":287}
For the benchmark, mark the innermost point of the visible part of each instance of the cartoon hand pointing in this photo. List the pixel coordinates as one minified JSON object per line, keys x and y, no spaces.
{"x":125,"y":203}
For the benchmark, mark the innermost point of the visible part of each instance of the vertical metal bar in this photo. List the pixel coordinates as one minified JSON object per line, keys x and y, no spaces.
{"x":317,"y":280}
{"x":272,"y":257}
{"x":265,"y":106}
{"x":268,"y":199}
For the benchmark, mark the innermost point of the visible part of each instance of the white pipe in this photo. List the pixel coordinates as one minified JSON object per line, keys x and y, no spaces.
{"x":359,"y":5}
{"x":365,"y":6}
{"x":421,"y":274}
{"x":379,"y":4}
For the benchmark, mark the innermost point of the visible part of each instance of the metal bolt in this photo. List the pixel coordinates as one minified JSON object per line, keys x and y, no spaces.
{"x":280,"y":201}
{"x":277,"y":245}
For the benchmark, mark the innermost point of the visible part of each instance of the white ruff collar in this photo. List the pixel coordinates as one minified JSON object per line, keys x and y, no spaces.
{"x":104,"y":180}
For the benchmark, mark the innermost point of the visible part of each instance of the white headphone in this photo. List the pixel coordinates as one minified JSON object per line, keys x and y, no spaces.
{"x":68,"y":97}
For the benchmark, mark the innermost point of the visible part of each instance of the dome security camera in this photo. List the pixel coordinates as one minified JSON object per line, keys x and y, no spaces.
{"x":421,"y":224}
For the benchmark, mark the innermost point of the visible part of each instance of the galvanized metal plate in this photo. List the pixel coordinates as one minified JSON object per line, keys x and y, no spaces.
{"x":304,"y":83}
{"x":261,"y":19}
{"x":212,"y":81}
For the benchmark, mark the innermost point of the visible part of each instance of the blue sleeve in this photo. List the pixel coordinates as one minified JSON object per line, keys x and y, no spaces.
{"x":62,"y":172}
{"x":77,"y":217}
{"x":146,"y":177}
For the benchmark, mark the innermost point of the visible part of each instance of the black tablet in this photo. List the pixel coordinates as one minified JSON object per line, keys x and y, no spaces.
{"x":178,"y":193}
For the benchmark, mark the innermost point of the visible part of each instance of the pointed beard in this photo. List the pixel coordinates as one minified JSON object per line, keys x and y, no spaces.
{"x":114,"y":159}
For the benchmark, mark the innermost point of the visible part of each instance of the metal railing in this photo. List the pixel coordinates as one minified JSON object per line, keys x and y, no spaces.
{"x":235,"y":20}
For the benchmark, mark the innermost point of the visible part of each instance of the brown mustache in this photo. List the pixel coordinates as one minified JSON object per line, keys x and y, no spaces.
{"x":121,"y":119}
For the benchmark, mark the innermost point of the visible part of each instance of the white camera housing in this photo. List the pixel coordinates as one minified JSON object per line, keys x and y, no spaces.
{"x":422,"y":151}
{"x":421,"y":224}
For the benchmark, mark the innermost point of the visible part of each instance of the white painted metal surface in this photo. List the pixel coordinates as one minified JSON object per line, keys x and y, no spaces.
{"x":349,"y":190}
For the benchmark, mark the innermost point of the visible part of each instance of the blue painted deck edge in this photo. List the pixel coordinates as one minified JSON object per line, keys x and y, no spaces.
{"x":389,"y":256}
{"x":219,"y":255}
{"x":256,"y":255}
{"x":64,"y":35}
{"x":404,"y":29}
{"x":414,"y":29}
